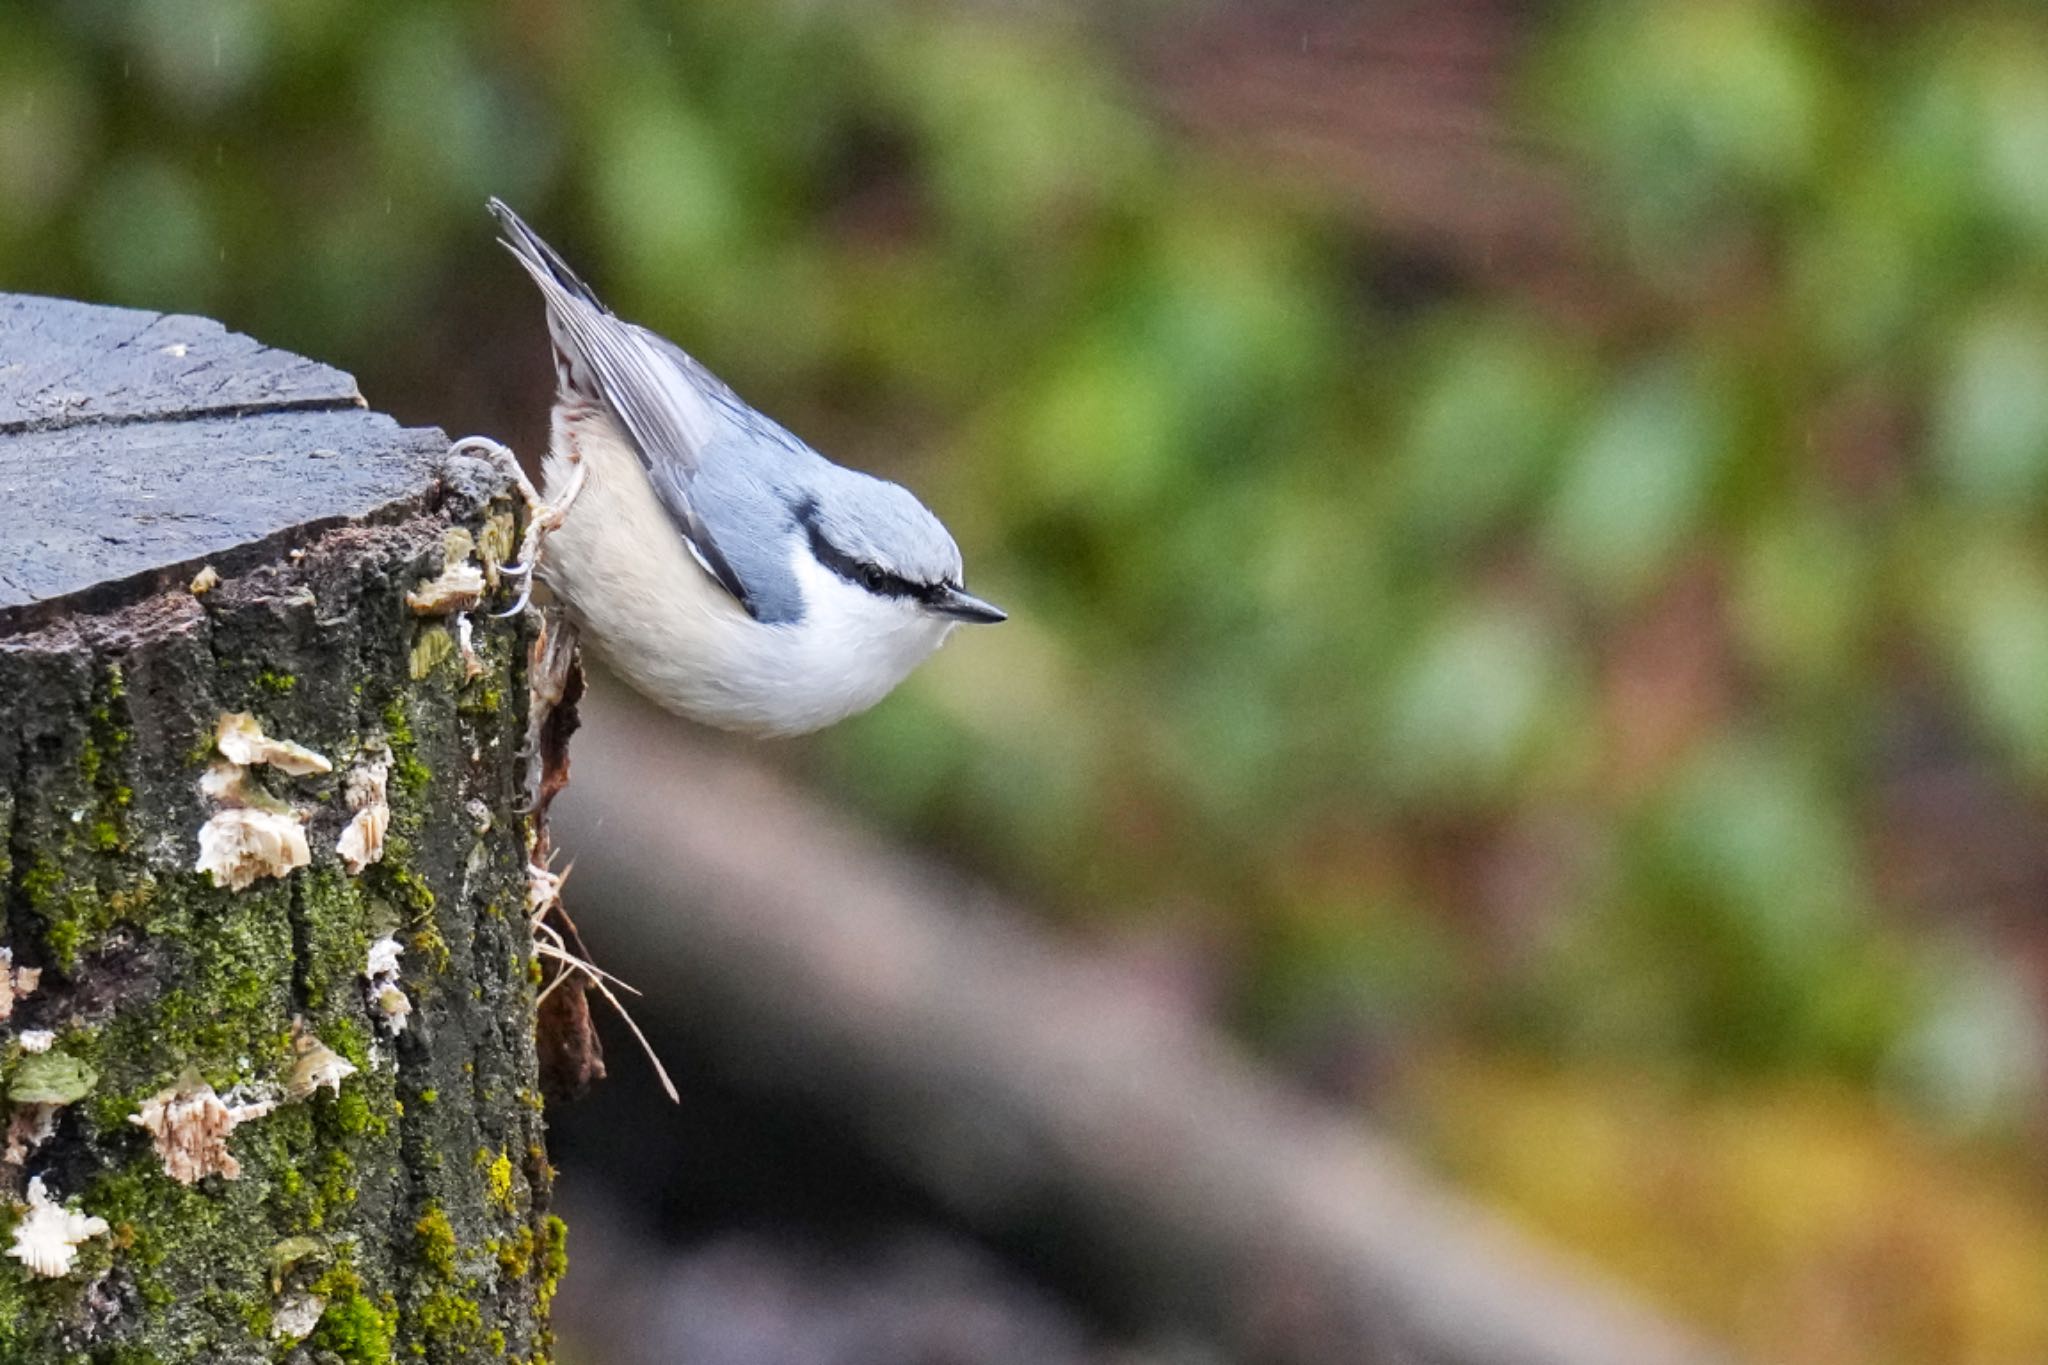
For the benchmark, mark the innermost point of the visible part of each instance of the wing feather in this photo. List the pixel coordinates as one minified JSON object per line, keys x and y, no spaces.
{"x":664,"y":407}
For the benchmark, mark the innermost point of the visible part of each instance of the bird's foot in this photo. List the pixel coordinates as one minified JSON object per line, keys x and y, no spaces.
{"x":500,"y":456}
{"x":542,"y":516}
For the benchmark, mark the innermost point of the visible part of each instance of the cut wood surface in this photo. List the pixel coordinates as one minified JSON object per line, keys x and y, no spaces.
{"x":1039,"y":1094}
{"x":137,"y":447}
{"x":267,"y":1074}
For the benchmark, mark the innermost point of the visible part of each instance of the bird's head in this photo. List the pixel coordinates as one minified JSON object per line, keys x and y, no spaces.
{"x":878,"y":539}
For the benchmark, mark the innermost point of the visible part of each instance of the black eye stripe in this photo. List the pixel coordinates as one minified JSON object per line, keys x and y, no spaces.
{"x":870,"y":577}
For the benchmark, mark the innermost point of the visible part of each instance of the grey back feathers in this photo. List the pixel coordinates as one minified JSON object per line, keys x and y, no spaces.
{"x":744,"y":494}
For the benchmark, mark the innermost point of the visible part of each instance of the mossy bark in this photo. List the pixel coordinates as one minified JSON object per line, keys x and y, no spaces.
{"x":401,"y":1215}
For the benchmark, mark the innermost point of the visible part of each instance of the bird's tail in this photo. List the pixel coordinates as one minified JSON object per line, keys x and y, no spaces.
{"x":542,"y":261}
{"x":566,"y":294}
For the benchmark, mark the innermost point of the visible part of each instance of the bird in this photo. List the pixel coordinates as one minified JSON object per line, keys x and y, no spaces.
{"x":722,"y":567}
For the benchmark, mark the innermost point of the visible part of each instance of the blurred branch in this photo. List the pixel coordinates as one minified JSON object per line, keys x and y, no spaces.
{"x":1036,"y":1093}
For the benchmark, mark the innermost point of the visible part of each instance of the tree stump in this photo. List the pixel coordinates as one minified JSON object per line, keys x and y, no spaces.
{"x":286,"y":1107}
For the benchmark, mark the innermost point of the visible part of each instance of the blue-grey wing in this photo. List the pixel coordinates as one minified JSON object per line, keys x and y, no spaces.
{"x":671,"y":411}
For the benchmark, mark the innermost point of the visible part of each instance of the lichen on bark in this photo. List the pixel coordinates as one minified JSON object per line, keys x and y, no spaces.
{"x":408,"y":1203}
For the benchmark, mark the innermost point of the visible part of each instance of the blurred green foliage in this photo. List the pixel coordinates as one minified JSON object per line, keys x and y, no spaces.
{"x":1660,"y":680}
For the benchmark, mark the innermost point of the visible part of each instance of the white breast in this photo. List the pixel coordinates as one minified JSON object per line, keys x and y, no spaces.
{"x":680,"y":639}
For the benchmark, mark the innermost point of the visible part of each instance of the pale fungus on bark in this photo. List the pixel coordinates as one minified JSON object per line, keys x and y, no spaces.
{"x":240,"y":739}
{"x":465,"y":641}
{"x":255,"y":835}
{"x":47,"y":1238}
{"x":44,"y":1081}
{"x":458,"y":587}
{"x":317,"y":1065}
{"x":16,"y":983}
{"x":362,"y":842}
{"x":29,"y":1126}
{"x":240,"y":845}
{"x":297,"y":1316}
{"x":190,"y":1123}
{"x":389,"y":1005}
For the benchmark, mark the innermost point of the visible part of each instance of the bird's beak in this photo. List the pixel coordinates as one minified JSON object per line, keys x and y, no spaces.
{"x":965,"y":606}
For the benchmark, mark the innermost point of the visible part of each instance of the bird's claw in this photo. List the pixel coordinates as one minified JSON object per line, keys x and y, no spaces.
{"x":499,"y":454}
{"x":542,"y":517}
{"x":540,"y":520}
{"x":520,"y":602}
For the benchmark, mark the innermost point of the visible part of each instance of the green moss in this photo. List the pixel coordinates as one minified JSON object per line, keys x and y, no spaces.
{"x":513,"y":1254}
{"x":257,"y":1317}
{"x":482,"y":697}
{"x":128,"y":1355}
{"x":497,"y":1169}
{"x":447,"y":1317}
{"x":430,"y":1095}
{"x":277,"y":684}
{"x":63,"y":938}
{"x":434,"y":1238}
{"x":72,"y":909}
{"x":411,"y":888}
{"x":132,"y":903}
{"x":348,"y":1038}
{"x":39,"y":884}
{"x":202,"y":751}
{"x":331,"y":928}
{"x":409,"y":776}
{"x":336,"y":1185}
{"x":111,"y":1112}
{"x":427,"y":943}
{"x":227,"y":1016}
{"x":155,"y":1222}
{"x":124,"y":1196}
{"x":353,"y":1327}
{"x":352,"y":1112}
{"x":553,"y":1259}
{"x":99,"y":758}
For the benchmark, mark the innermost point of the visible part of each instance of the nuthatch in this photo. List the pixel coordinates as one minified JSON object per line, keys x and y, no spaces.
{"x":724,"y":568}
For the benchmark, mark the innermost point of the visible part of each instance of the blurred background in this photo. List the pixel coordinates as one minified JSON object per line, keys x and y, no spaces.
{"x":1523,"y":527}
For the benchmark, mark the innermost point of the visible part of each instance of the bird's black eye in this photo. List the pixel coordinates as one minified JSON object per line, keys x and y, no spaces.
{"x":872,"y":577}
